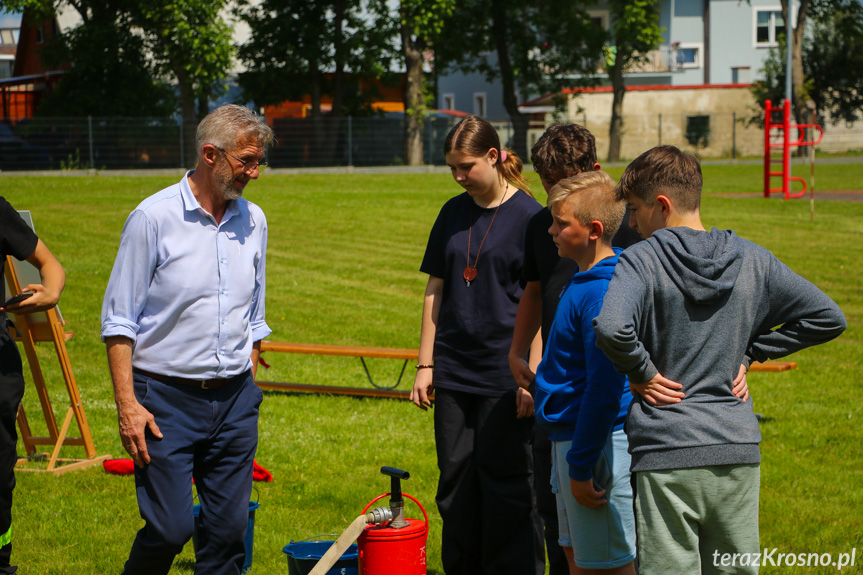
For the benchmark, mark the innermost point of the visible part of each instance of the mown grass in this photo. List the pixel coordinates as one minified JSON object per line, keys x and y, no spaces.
{"x":343,"y":262}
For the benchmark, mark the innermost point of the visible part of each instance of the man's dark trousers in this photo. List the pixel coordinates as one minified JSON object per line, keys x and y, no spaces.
{"x":210,"y":435}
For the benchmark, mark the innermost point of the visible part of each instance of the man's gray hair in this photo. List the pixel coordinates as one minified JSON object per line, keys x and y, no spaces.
{"x":230,"y":126}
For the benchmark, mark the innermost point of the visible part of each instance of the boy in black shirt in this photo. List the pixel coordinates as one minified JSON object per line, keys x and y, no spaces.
{"x":564,"y":150}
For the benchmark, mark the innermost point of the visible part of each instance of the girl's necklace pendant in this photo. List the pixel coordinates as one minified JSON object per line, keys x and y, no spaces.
{"x":469,"y":275}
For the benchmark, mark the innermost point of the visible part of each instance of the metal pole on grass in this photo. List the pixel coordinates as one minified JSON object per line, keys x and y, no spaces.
{"x":812,"y":172}
{"x":789,"y":40}
{"x":90,"y":137}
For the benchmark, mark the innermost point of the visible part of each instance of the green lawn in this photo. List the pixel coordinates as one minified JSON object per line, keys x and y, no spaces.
{"x":343,"y":262}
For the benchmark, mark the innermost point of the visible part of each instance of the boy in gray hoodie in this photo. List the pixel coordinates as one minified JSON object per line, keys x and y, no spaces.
{"x":690,"y":310}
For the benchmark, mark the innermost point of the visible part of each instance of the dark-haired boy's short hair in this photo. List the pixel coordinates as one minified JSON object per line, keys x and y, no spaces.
{"x":562,"y":151}
{"x":663,"y":170}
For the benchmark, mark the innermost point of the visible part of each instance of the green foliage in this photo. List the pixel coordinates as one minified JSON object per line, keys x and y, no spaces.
{"x":190,"y":40}
{"x":294,"y":42}
{"x":123,"y":55}
{"x":832,"y":54}
{"x":635,"y":30}
{"x":549,"y":44}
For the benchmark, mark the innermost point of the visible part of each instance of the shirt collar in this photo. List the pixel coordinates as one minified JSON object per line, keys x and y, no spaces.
{"x":190,"y":202}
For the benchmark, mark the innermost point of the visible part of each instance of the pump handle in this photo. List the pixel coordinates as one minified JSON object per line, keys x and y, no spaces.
{"x":393,"y":472}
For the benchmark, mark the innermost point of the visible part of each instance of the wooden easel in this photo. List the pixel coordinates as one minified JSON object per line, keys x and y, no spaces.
{"x":47,"y":327}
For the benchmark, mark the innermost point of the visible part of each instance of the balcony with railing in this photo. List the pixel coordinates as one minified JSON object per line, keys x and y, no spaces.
{"x":665,"y":59}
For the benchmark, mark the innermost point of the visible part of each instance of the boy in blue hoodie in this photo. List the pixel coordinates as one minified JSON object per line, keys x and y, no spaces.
{"x":687,"y":311}
{"x":580,"y":399}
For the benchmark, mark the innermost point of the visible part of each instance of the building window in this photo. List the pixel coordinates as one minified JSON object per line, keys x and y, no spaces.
{"x":479,"y":108}
{"x":769,"y":25}
{"x":449,"y":101}
{"x":598,"y":19}
{"x":688,"y":55}
{"x":9,"y":37}
{"x":698,"y":131}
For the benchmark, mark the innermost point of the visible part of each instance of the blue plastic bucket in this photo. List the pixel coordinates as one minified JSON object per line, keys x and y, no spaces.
{"x":250,"y":532}
{"x":304,"y":555}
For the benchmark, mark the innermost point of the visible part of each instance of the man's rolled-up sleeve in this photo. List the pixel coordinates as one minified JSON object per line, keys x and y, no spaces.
{"x":260,"y":329}
{"x":126,"y":294}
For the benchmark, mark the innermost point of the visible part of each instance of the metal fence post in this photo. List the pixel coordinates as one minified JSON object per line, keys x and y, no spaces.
{"x":733,"y":135}
{"x":350,"y":140}
{"x":90,"y":138}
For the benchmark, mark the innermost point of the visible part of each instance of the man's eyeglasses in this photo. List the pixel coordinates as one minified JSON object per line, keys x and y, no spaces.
{"x":248,"y":165}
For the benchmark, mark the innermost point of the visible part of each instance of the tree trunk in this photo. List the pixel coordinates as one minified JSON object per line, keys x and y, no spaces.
{"x":520,"y":122}
{"x":615,"y":130}
{"x":338,"y":46}
{"x":414,"y":99}
{"x":190,"y":119}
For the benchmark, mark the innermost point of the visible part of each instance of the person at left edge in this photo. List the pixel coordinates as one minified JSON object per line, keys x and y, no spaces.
{"x":18,"y":240}
{"x":183,"y":318}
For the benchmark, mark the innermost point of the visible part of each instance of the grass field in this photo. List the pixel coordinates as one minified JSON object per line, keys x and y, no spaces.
{"x":343,"y":261}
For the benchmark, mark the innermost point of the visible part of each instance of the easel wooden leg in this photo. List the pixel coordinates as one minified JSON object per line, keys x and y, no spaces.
{"x":26,"y":433}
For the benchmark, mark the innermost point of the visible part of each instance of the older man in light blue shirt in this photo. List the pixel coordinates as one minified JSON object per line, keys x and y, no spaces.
{"x":183,"y":318}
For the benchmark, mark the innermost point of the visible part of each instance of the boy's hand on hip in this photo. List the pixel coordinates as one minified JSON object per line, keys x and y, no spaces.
{"x":586,"y":494}
{"x":659,"y":390}
{"x":739,"y":386}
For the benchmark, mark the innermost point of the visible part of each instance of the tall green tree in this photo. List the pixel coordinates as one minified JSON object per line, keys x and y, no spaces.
{"x":124,"y":52}
{"x":296,"y":43}
{"x":534,"y":47}
{"x":634,"y":32}
{"x":111,"y":74}
{"x":831,"y":62}
{"x":421,"y":23}
{"x":191,"y":42}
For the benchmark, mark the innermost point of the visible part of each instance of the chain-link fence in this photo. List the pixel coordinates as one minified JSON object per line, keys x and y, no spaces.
{"x":154,"y":143}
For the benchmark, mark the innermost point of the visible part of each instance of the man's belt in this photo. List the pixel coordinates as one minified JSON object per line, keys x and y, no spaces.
{"x":199,"y":383}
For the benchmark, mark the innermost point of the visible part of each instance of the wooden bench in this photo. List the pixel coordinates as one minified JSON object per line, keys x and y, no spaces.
{"x":392,"y":353}
{"x":345,"y":351}
{"x":773,"y":366}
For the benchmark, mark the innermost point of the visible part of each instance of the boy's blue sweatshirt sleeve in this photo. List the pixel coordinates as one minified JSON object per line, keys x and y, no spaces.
{"x":600,"y":404}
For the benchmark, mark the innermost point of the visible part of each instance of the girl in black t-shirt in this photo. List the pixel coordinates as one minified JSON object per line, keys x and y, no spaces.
{"x":482,"y":418}
{"x":19,"y":241}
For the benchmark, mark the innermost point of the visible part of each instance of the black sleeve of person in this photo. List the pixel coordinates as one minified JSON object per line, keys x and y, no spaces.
{"x":626,"y":236}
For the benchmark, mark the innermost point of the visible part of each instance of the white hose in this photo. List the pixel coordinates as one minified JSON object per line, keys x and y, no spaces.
{"x":341,"y":545}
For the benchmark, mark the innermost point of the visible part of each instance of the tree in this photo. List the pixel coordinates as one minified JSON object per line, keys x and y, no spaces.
{"x":295,"y":43}
{"x":420,"y":25}
{"x":831,"y":61}
{"x":123,"y":53}
{"x":537,"y":47}
{"x":190,"y":41}
{"x":834,"y":59}
{"x":110,"y":76}
{"x":634,"y":31}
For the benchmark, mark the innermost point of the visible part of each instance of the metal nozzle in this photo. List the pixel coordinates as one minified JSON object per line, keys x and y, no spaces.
{"x":379,"y":515}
